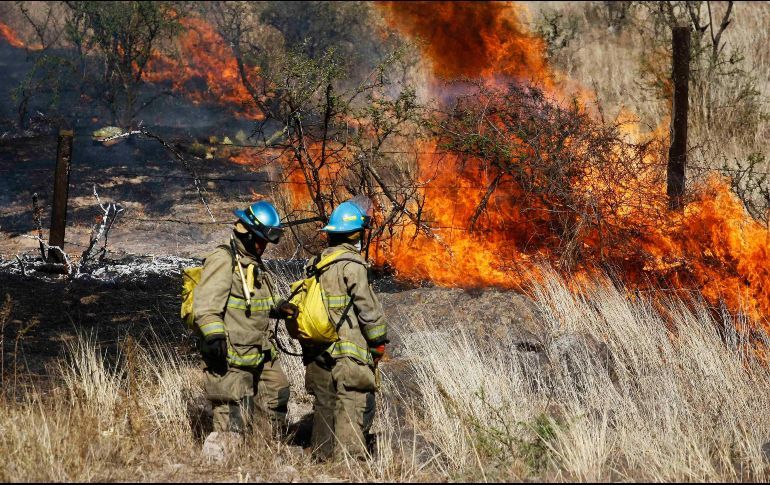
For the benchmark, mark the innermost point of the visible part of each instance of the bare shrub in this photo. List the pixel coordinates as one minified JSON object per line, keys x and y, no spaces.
{"x":550,"y":167}
{"x":749,"y":180}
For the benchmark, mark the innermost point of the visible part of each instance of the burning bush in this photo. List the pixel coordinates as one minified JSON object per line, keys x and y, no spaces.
{"x":553,"y":177}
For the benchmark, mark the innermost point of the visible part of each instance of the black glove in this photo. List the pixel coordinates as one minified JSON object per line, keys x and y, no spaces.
{"x":288,"y":310}
{"x":284,"y":310}
{"x":215,"y":352}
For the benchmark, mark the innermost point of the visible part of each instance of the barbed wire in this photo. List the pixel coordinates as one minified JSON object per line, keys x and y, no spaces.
{"x":460,"y":184}
{"x":240,"y":179}
{"x":177,"y":221}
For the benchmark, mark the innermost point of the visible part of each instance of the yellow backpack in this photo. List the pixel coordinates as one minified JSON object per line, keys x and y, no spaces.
{"x":313,"y":323}
{"x":190,"y":278}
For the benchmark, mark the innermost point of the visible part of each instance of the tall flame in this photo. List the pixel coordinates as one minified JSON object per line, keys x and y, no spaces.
{"x":468,"y":39}
{"x":713,"y":246}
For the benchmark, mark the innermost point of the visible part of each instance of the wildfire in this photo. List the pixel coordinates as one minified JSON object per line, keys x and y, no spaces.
{"x":713,"y":245}
{"x":10,"y":36}
{"x":205,"y":70}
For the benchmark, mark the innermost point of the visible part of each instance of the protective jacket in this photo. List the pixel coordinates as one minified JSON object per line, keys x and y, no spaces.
{"x":221,"y":307}
{"x":364,"y":325}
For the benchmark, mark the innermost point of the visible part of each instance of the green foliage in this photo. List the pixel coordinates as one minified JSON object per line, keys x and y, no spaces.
{"x":315,"y":27}
{"x":505,"y":441}
{"x":537,"y":451}
{"x":116,"y":40}
{"x":43,"y":76}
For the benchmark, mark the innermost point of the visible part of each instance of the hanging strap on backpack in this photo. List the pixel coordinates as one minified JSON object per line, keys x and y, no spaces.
{"x":350,"y":303}
{"x":344,"y":316}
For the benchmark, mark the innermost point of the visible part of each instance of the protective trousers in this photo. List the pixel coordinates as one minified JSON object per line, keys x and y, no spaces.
{"x":344,"y":407}
{"x":244,"y":398}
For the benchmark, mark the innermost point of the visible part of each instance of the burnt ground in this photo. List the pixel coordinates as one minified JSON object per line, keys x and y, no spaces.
{"x":47,"y":314}
{"x":151,"y":186}
{"x":138,"y":173}
{"x":48,"y":311}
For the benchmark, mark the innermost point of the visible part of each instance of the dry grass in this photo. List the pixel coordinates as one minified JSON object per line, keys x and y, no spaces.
{"x":608,"y":63}
{"x":671,"y":399}
{"x":669,"y":406}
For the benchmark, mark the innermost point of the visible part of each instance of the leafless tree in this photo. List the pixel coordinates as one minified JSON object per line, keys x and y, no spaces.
{"x":334,"y":138}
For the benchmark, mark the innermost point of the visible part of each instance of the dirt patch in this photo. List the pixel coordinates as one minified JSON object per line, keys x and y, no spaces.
{"x":490,"y":315}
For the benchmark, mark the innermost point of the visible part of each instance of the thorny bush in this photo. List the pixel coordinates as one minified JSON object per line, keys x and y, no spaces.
{"x":552,"y":168}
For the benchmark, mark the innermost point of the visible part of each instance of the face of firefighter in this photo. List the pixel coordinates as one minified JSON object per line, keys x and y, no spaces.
{"x":252,"y":243}
{"x":353,"y":238}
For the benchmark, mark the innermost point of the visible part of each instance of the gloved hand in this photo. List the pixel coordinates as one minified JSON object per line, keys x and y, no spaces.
{"x":216,"y":350}
{"x":286,"y":310}
{"x":377,"y":353}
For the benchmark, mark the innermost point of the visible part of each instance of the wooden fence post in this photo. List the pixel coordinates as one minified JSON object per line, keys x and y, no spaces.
{"x":60,"y":195}
{"x":677,"y":154}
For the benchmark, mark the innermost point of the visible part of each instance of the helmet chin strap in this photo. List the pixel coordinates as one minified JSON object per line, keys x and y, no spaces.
{"x":246,"y":291}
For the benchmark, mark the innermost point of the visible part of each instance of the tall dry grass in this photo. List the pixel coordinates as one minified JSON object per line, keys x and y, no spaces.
{"x":608,"y":62}
{"x":671,"y":399}
{"x":625,"y":389}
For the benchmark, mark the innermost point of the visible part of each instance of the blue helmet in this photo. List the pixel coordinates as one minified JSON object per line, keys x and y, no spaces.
{"x":347,"y":217}
{"x":262,"y":219}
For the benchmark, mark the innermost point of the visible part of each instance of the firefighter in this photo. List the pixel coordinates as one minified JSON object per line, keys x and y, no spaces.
{"x":342,"y":376}
{"x":233,"y":303}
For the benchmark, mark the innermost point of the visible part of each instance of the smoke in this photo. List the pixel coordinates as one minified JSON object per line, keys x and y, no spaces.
{"x":472,"y":39}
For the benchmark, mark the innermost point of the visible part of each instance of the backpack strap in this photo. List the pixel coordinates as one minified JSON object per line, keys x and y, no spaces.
{"x":323,"y":264}
{"x":344,"y":315}
{"x":326,"y":263}
{"x":230,"y":250}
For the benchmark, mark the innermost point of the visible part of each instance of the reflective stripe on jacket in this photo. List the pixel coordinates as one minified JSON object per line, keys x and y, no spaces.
{"x":364,"y":323}
{"x":220,"y":305}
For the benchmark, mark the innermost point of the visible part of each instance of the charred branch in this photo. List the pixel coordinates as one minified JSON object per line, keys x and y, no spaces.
{"x":99,"y":232}
{"x":37,"y":217}
{"x":485,"y":200}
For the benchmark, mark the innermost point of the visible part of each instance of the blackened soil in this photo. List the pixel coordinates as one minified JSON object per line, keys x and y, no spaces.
{"x":47,"y":315}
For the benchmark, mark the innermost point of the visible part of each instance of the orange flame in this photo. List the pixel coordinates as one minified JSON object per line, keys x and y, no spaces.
{"x":10,"y":36}
{"x":205,"y":57}
{"x":472,"y":39}
{"x":713,"y":246}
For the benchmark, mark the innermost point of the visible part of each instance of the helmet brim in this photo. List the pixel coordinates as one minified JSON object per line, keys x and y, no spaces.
{"x":334,"y":230}
{"x":269,"y":234}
